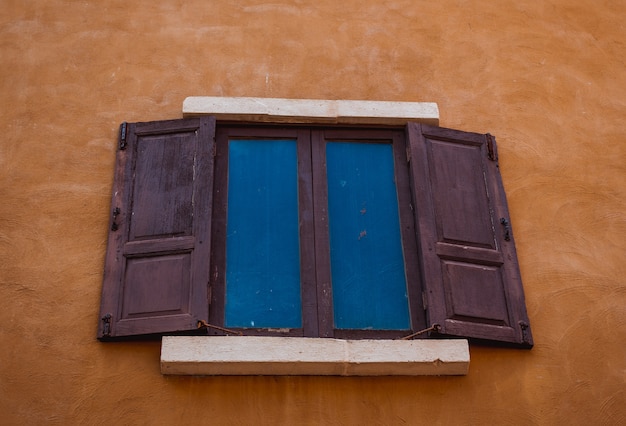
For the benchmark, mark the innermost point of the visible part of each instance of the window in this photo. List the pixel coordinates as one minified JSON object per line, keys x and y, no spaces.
{"x":310,"y":231}
{"x":307,"y":227}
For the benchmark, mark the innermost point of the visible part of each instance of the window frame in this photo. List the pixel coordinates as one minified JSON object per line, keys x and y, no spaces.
{"x":414,"y":285}
{"x":316,"y":281}
{"x":218,"y":254}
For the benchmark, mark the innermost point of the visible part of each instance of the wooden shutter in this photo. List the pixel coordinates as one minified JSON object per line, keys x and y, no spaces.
{"x":469,"y":262}
{"x":157,"y":262}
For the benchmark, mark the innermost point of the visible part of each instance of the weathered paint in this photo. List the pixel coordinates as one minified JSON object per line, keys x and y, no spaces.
{"x":547,"y":78}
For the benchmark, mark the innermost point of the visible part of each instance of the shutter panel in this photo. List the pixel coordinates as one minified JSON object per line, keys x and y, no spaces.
{"x":469,"y":262}
{"x":157,"y":262}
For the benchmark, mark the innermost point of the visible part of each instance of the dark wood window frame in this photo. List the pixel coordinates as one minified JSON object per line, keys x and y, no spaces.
{"x":462,"y":273}
{"x":316,"y":288}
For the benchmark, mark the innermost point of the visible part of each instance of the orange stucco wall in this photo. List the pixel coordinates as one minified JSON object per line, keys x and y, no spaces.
{"x":547,"y":78}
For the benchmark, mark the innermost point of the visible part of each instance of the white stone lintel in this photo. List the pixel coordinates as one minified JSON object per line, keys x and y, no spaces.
{"x":254,"y":355}
{"x":311,"y":111}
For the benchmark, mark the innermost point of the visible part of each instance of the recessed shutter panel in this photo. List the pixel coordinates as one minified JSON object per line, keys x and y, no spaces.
{"x":157,"y":262}
{"x":469,"y":262}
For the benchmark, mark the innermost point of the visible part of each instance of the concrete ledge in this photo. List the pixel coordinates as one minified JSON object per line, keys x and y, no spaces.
{"x":251,"y":355}
{"x":277,"y":110}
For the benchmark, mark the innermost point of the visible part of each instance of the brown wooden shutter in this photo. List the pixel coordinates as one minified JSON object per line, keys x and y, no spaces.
{"x":157,"y":262}
{"x":469,"y":262}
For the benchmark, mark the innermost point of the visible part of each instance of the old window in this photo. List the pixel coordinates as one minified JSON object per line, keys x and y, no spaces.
{"x":310,"y":231}
{"x":307,"y":233}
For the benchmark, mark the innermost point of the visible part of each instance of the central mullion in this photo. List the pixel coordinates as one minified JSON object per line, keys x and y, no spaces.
{"x":307,"y":235}
{"x":322,"y":242}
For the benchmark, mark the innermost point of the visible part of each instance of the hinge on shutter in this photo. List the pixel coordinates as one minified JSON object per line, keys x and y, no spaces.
{"x":408,"y":154}
{"x":491,"y":147}
{"x":106,"y":330}
{"x":524,"y":326}
{"x":507,"y":229}
{"x":123,"y":136}
{"x":214,"y":149}
{"x":116,"y":213}
{"x":424,"y":301}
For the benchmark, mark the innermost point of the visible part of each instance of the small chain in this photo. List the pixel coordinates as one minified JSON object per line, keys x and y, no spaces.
{"x":204,"y":324}
{"x":434,"y":327}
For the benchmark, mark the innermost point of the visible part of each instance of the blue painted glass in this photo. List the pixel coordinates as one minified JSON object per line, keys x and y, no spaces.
{"x":367,"y":264}
{"x":262,"y":240}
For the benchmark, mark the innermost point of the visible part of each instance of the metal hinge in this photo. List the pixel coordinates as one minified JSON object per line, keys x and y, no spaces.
{"x":214,"y":149}
{"x":408,"y":154}
{"x":507,"y":229}
{"x":424,"y":301}
{"x":123,"y":127}
{"x":525,"y":335}
{"x":491,"y":147}
{"x":106,"y":330}
{"x":116,"y":213}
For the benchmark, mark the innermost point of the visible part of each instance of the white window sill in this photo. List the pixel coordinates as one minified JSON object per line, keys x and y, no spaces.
{"x":319,"y":111}
{"x":236,"y":355}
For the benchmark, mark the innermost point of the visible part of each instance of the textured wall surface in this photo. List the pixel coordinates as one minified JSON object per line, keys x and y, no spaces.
{"x":547,"y":78}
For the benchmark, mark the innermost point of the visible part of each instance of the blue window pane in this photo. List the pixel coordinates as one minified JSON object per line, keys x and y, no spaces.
{"x":262,"y":240}
{"x":367,"y":265}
